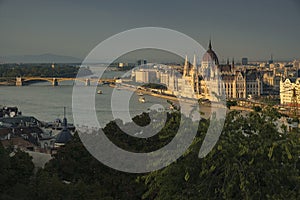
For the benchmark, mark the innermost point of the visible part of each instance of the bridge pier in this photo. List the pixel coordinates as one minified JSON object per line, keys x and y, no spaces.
{"x":19,"y":81}
{"x":54,"y":82}
{"x":87,"y":82}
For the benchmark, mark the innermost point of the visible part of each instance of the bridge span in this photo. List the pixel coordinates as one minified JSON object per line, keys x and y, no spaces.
{"x":20,"y":81}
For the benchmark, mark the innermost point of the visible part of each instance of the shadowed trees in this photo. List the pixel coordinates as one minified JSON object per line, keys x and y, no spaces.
{"x":251,"y":160}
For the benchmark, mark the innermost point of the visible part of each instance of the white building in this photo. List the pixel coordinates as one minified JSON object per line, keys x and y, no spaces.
{"x":147,"y":76}
{"x":287,"y":88}
{"x":210,"y":80}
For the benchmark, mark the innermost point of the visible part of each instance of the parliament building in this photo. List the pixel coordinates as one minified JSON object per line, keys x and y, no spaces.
{"x":212,"y":79}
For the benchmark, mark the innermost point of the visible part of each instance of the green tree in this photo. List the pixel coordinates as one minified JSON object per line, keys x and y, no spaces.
{"x":250,"y":161}
{"x":74,"y":164}
{"x":16,"y":170}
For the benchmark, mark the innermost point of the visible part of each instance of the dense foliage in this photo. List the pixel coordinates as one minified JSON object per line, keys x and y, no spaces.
{"x":251,"y":160}
{"x":43,"y":70}
{"x":16,"y":170}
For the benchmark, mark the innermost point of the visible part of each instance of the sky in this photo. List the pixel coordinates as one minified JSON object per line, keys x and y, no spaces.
{"x":254,"y":29}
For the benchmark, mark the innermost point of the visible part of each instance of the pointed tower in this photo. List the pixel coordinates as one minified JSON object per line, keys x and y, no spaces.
{"x":194,"y":63}
{"x":65,"y":122}
{"x":209,"y":45}
{"x":186,"y":66}
{"x":194,"y":68}
{"x":271,"y":60}
{"x":232,"y":65}
{"x":195,"y":80}
{"x":64,"y":136}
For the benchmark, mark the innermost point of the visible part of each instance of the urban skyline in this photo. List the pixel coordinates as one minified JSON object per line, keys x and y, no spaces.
{"x":153,"y":100}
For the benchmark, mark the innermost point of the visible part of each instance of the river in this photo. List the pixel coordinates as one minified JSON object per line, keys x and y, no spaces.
{"x":46,"y":102}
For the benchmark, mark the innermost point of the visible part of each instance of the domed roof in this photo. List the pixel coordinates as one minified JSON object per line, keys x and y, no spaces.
{"x":63,"y":137}
{"x":210,"y":55}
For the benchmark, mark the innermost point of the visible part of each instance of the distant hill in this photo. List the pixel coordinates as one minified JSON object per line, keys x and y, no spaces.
{"x":43,"y":58}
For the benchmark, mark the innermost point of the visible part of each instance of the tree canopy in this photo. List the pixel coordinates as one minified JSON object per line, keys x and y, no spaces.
{"x":43,"y":70}
{"x":251,"y":160}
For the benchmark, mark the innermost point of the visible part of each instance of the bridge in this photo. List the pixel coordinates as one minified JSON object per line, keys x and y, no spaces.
{"x":20,"y":81}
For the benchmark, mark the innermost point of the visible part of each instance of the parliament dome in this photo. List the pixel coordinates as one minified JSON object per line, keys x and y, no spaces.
{"x":210,"y":55}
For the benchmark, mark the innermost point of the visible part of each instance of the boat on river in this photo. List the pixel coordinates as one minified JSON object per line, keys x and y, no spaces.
{"x":142,"y":99}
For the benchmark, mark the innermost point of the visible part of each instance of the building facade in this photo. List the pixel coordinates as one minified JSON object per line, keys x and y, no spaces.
{"x":289,"y":88}
{"x":208,"y":80}
{"x":226,"y":79}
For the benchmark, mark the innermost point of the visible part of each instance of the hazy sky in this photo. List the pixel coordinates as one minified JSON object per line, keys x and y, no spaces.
{"x":238,"y":28}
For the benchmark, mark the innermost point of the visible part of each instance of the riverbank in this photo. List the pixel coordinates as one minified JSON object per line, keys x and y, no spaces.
{"x":6,"y":83}
{"x":168,"y":97}
{"x":205,"y":109}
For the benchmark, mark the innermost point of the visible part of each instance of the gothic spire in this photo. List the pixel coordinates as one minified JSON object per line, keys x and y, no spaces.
{"x":186,"y":61}
{"x":65,"y":122}
{"x":194,"y":62}
{"x":209,"y":46}
{"x":185,"y":68}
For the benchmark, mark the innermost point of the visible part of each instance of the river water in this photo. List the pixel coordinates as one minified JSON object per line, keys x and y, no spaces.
{"x":46,"y":102}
